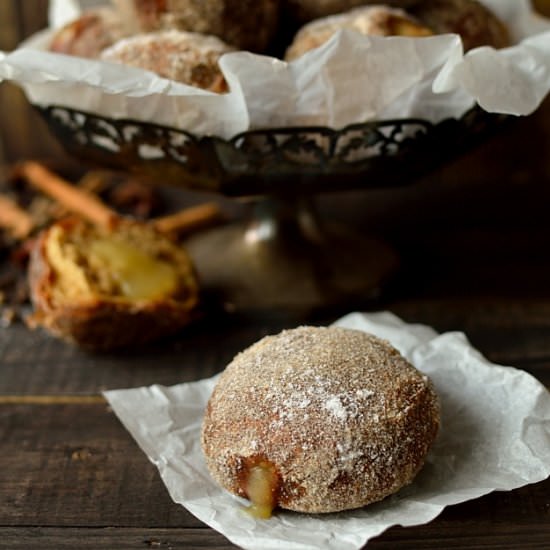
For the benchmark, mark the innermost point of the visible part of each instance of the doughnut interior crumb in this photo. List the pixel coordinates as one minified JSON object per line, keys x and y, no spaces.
{"x":109,"y":288}
{"x":129,"y":264}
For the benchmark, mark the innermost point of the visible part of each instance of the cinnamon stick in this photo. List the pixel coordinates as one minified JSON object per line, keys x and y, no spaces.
{"x":76,"y":200}
{"x":13,"y":218}
{"x":91,"y":208}
{"x":188,"y":220}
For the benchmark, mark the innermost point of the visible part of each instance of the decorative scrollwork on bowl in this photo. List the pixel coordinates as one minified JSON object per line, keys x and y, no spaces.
{"x":274,"y":160}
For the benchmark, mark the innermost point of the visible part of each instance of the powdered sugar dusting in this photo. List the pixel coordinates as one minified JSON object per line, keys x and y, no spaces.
{"x":341,"y":414}
{"x":187,"y":57}
{"x":334,"y":405}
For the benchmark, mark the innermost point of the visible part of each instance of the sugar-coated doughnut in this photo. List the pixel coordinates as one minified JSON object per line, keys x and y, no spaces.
{"x":89,"y":34}
{"x":319,"y":420}
{"x":306,"y":10}
{"x":370,"y":20}
{"x":245,"y":24}
{"x":191,"y":58}
{"x":476,"y":24}
{"x":110,"y":288}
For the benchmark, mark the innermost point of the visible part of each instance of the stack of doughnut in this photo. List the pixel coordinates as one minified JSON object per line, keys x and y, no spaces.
{"x":318,"y":420}
{"x":183,"y":40}
{"x":244,"y":24}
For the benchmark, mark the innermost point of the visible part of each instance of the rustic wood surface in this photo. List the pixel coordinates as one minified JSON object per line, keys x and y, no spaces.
{"x":474,"y":240}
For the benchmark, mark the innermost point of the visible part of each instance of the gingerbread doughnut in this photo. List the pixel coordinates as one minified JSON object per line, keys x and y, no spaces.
{"x":110,"y":288}
{"x":245,"y":24}
{"x":370,"y":20}
{"x":318,"y":420}
{"x":306,"y":10}
{"x":476,"y":24}
{"x":187,"y":57}
{"x":89,"y":34}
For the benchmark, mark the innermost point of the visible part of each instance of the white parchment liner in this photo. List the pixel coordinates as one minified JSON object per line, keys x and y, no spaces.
{"x":349,"y":79}
{"x":495,"y":435}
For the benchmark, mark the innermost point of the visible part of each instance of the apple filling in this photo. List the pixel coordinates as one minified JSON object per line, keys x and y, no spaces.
{"x":138,"y":275}
{"x":261,"y":489}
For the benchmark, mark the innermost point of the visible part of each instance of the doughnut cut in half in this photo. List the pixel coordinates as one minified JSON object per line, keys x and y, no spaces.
{"x":110,"y":288}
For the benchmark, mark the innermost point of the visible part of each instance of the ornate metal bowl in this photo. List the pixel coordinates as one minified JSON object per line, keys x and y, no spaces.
{"x":284,"y":255}
{"x":290,"y":160}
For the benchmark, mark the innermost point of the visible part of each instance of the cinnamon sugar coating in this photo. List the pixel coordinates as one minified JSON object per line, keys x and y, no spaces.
{"x":343,"y":418}
{"x":187,"y":57}
{"x":476,"y":24}
{"x":306,"y":10}
{"x":370,"y":20}
{"x":89,"y":34}
{"x":245,"y":24}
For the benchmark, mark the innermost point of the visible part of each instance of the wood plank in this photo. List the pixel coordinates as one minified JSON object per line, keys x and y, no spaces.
{"x":75,"y":465}
{"x":35,"y":363}
{"x":70,"y":465}
{"x":109,"y":538}
{"x":509,"y":332}
{"x":438,"y":535}
{"x":47,"y":400}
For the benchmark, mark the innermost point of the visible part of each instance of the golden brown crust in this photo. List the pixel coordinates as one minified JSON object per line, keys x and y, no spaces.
{"x":476,"y":24}
{"x":101,"y":320}
{"x":245,"y":24}
{"x":343,"y":418}
{"x":370,"y":20}
{"x":306,"y":10}
{"x":187,"y":57}
{"x":89,"y":34}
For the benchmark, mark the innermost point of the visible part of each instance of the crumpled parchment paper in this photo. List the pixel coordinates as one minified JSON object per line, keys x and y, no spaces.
{"x":495,"y":435}
{"x":349,"y":79}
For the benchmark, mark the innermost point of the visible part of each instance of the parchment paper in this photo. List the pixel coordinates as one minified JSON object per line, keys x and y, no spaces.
{"x":495,"y":435}
{"x":350,"y":79}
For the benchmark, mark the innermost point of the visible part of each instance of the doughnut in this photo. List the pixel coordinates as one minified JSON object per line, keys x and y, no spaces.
{"x":245,"y":24}
{"x":89,"y":34}
{"x":105,"y":289}
{"x":476,"y":24}
{"x":318,"y":420}
{"x":370,"y":20}
{"x":306,"y":10}
{"x":187,"y":57}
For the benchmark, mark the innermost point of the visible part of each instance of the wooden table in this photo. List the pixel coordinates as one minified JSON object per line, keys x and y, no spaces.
{"x":474,"y":239}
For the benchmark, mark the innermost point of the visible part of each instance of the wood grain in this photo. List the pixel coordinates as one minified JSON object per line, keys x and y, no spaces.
{"x":48,"y":400}
{"x":109,"y":538}
{"x":447,"y":535}
{"x":35,"y":363}
{"x":73,"y":466}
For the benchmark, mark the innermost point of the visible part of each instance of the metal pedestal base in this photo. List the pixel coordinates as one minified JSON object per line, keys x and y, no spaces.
{"x":283,"y":258}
